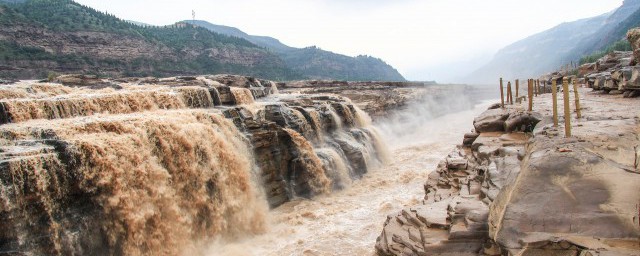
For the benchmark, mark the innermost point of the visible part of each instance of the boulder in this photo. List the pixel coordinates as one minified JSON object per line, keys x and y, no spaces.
{"x":633,"y":36}
{"x":564,"y":194}
{"x":492,"y":120}
{"x":633,"y":82}
{"x":469,"y":138}
{"x":522,"y":121}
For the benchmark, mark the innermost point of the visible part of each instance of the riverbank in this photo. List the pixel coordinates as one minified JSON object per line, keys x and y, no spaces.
{"x":536,"y":193}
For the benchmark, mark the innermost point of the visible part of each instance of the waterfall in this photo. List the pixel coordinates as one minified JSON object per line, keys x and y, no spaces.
{"x":73,"y":105}
{"x":317,"y":180}
{"x":242,"y":95}
{"x":155,"y":186}
{"x":161,"y":168}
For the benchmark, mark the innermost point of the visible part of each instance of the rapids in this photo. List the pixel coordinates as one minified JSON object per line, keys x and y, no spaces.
{"x":347,"y":222}
{"x":213,"y":165}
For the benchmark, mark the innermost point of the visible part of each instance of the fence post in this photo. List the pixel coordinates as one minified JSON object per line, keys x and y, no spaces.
{"x":501,"y":94}
{"x":509,"y":93}
{"x":530,"y":92}
{"x":567,"y":111}
{"x":577,"y":98}
{"x":517,"y":87}
{"x":554,"y":92}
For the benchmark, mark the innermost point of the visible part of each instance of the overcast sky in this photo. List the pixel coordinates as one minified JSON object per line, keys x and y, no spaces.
{"x":423,"y":39}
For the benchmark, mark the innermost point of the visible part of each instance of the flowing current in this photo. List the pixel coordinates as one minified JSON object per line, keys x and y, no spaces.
{"x":148,"y":169}
{"x":347,"y":222}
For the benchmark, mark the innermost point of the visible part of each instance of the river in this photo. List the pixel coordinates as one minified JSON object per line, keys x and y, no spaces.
{"x":348,"y":222}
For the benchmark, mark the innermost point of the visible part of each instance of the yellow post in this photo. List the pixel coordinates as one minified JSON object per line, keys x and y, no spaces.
{"x":567,"y":111}
{"x":517,"y":87}
{"x":554,"y":92}
{"x":509,"y":93}
{"x":501,"y":93}
{"x":530,"y":91}
{"x":577,"y":98}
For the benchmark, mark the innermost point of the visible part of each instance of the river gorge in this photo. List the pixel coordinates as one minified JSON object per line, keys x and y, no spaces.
{"x":145,"y":166}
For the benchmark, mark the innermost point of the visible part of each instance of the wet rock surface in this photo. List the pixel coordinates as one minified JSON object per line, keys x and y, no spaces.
{"x":532,"y":194}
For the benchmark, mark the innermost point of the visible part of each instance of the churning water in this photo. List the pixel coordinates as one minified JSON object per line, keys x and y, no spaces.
{"x":348,"y":221}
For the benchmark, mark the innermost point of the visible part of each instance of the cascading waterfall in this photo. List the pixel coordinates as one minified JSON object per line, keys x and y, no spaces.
{"x":157,"y":187}
{"x":72,"y":105}
{"x":336,"y":167}
{"x":161,"y":168}
{"x":242,"y":95}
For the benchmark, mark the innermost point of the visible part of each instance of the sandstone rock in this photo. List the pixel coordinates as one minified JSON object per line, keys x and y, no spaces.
{"x":495,"y":106}
{"x":522,"y":121}
{"x":633,"y":36}
{"x":469,"y":138}
{"x":572,"y":186}
{"x":88,"y":81}
{"x":492,"y":120}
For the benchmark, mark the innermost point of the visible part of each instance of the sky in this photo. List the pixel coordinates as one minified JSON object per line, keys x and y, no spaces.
{"x":424,"y":39}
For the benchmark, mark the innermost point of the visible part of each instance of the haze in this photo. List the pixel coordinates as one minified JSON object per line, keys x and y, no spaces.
{"x":425,"y":40}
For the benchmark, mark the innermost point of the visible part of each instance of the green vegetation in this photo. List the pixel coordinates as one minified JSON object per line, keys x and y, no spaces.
{"x":65,"y":16}
{"x":622,"y":45}
{"x":317,"y":63}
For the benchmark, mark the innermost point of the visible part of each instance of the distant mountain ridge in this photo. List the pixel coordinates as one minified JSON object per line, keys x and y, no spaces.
{"x":39,"y":37}
{"x":314,"y":62}
{"x":560,"y":45}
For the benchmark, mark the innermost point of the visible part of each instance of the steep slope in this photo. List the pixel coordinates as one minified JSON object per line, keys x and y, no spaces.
{"x":561,"y":45}
{"x":41,"y":36}
{"x":314,"y":62}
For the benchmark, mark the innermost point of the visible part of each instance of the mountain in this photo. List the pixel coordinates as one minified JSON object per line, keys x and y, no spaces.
{"x":558,"y":46}
{"x":314,"y":62}
{"x":41,"y":37}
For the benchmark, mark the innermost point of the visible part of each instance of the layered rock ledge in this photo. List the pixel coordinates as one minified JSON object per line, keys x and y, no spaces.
{"x":505,"y":192}
{"x":380,"y":98}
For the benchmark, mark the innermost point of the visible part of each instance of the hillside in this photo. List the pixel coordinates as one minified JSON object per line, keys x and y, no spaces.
{"x":42,"y":36}
{"x":313,"y":62}
{"x":561,"y":45}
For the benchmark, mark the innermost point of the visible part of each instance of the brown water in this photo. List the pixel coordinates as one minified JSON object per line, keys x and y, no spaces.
{"x":348,"y":221}
{"x":160,"y":189}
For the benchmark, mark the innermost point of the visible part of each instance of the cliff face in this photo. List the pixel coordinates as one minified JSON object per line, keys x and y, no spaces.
{"x":154,"y":166}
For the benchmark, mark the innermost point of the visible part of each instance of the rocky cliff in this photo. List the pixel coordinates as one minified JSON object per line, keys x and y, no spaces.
{"x":505,"y":192}
{"x":155,"y":166}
